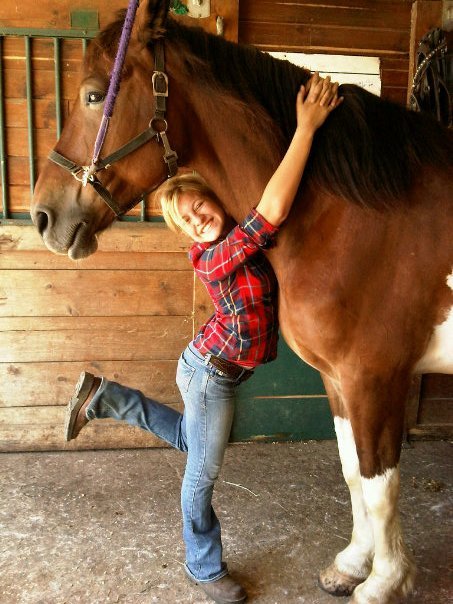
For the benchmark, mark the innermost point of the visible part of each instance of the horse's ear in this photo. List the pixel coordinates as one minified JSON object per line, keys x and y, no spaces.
{"x":150,"y":20}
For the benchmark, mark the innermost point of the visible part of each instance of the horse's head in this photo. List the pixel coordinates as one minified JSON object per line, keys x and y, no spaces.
{"x":68,"y":214}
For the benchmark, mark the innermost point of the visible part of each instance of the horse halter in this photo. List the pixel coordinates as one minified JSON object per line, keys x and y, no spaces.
{"x":88,"y":174}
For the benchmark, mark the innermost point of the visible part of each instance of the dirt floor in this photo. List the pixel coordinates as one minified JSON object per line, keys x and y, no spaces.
{"x":98,"y":527}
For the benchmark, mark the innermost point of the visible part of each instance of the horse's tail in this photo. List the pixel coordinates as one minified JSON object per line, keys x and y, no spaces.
{"x":369,"y":149}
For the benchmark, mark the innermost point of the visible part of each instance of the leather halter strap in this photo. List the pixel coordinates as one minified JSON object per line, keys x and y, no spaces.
{"x":88,"y":174}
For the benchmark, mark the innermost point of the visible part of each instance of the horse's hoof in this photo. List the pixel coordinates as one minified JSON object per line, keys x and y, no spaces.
{"x":336,"y":583}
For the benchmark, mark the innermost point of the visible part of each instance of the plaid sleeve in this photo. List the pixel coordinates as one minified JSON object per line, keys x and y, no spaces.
{"x":214,"y":262}
{"x":259,"y":229}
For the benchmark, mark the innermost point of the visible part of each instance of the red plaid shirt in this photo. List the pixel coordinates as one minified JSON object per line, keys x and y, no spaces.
{"x":243,"y":288}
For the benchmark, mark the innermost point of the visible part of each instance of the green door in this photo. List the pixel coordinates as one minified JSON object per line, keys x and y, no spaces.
{"x":284,"y":400}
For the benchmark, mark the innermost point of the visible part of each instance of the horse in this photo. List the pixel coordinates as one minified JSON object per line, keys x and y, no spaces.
{"x":364,"y":262}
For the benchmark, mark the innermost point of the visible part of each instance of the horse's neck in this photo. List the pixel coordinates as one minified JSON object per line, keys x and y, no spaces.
{"x":235,"y":148}
{"x":237,"y":161}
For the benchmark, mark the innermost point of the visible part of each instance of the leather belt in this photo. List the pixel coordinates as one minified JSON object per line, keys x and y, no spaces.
{"x":230,"y":369}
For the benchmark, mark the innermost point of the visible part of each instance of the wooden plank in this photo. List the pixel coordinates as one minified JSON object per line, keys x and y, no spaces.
{"x":122,"y":236}
{"x":315,"y":38}
{"x":43,"y":86}
{"x":43,"y":114}
{"x":203,"y":306}
{"x":59,"y":339}
{"x":394,"y":79}
{"x":93,"y":293}
{"x":437,"y":385}
{"x":41,"y":429}
{"x":19,"y":198}
{"x":52,"y":14}
{"x":436,"y":411}
{"x":20,"y":194}
{"x":396,"y":95}
{"x":378,"y":15}
{"x":436,"y":399}
{"x":43,"y":384}
{"x":431,"y":432}
{"x":19,"y":170}
{"x":399,"y":64}
{"x":17,"y":141}
{"x":144,"y":261}
{"x":42,"y":53}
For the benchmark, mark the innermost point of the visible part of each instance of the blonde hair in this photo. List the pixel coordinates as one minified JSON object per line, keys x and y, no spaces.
{"x":169,"y":193}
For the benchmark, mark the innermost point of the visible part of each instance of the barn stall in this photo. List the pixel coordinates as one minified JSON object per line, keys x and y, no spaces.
{"x":129,"y":310}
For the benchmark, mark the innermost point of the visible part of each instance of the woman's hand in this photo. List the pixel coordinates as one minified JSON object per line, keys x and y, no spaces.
{"x":315,"y":102}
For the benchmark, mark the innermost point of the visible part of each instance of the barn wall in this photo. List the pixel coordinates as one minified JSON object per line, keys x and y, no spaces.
{"x":356,"y":27}
{"x":126,"y":313}
{"x":58,"y":317}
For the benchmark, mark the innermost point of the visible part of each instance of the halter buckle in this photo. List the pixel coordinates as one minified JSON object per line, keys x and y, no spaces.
{"x":157,"y":78}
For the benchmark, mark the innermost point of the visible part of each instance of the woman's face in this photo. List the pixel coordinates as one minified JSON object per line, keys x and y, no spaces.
{"x":203,"y":218}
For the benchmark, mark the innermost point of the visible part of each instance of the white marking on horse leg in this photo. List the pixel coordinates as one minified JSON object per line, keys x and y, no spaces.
{"x":393,"y":571}
{"x":438,"y":357}
{"x":357,"y":558}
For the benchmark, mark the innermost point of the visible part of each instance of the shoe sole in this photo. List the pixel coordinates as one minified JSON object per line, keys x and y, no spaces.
{"x":80,"y":395}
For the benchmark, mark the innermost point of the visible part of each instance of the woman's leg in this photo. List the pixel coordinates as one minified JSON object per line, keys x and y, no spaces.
{"x":208,"y":415}
{"x":115,"y":401}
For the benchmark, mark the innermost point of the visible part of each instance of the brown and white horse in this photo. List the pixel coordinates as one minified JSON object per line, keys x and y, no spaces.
{"x":364,"y":262}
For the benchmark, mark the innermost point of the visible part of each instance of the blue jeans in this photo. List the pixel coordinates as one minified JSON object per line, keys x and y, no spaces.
{"x":202,"y":432}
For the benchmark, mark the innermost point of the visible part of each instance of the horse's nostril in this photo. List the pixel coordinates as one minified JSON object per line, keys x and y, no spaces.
{"x":41,"y":220}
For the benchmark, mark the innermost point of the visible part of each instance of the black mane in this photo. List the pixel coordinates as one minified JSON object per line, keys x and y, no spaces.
{"x":368,"y":151}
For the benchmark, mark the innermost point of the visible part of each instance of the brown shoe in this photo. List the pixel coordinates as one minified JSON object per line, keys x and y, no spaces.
{"x":76,"y":417}
{"x":223,"y":591}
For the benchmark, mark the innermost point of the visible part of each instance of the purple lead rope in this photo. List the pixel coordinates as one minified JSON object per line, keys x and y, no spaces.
{"x":115,"y":79}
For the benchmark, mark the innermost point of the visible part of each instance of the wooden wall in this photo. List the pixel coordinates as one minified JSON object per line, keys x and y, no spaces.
{"x":357,"y":27}
{"x":128,"y":311}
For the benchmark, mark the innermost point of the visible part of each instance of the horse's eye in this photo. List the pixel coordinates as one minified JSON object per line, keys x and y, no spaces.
{"x":94,"y":97}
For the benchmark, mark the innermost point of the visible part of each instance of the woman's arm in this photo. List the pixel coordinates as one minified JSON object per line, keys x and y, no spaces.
{"x":312,"y":108}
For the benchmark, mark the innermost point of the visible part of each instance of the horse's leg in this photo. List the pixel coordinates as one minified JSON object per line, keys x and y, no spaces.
{"x":352,"y":565}
{"x":376,"y":411}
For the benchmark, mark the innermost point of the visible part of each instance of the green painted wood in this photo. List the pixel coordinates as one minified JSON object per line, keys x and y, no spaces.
{"x":284,"y":400}
{"x":85,"y":19}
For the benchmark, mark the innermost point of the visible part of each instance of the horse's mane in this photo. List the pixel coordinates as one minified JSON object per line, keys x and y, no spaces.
{"x":368,"y":151}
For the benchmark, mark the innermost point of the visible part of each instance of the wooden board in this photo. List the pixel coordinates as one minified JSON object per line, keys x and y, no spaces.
{"x":41,"y":384}
{"x":41,"y":429}
{"x":84,"y":293}
{"x":125,"y":312}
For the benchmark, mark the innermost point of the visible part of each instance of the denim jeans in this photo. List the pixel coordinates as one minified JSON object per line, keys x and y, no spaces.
{"x":202,"y":432}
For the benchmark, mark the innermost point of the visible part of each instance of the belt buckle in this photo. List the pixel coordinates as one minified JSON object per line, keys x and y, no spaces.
{"x":209,"y":358}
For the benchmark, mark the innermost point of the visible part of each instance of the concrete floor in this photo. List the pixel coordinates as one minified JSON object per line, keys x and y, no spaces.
{"x":98,"y":527}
